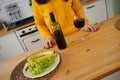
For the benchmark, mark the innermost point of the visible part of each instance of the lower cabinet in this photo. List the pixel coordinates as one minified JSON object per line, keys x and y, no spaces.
{"x":96,"y":11}
{"x":9,"y":46}
{"x":114,"y":76}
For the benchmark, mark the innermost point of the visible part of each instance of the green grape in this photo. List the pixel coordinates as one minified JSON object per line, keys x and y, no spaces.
{"x":38,"y":65}
{"x":29,"y":69}
{"x":45,"y":65}
{"x":41,"y":71}
{"x":33,"y":73}
{"x":32,"y":64}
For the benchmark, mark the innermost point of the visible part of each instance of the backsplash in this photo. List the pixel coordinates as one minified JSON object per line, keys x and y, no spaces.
{"x":22,"y":10}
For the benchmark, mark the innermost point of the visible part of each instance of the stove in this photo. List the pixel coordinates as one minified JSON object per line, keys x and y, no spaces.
{"x":20,"y":23}
{"x":30,"y":38}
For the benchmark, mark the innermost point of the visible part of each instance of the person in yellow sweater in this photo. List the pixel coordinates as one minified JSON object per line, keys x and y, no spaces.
{"x":64,"y":12}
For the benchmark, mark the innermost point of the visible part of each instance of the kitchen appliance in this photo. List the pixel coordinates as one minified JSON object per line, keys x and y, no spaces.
{"x":30,"y":38}
{"x":13,"y":11}
{"x":20,"y":23}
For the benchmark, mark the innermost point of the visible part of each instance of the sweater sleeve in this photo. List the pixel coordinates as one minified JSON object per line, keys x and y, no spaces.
{"x":77,"y":7}
{"x":39,"y":21}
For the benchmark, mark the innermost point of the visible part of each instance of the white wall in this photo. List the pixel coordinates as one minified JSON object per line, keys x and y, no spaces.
{"x":113,"y":7}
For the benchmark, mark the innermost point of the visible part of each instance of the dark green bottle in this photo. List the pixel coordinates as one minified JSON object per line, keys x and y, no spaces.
{"x":57,"y":32}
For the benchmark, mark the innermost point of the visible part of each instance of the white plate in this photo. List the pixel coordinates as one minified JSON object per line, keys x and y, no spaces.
{"x":48,"y":70}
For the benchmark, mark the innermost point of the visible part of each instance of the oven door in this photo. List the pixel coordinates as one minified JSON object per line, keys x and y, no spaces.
{"x":34,"y":42}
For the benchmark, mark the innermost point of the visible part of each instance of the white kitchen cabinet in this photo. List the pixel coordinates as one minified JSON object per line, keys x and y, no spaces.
{"x":96,"y":11}
{"x":9,"y":46}
{"x":114,"y":76}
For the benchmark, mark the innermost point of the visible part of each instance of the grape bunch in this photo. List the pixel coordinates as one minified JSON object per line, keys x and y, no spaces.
{"x":38,"y":63}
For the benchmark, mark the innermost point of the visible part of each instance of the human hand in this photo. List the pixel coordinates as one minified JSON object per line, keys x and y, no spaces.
{"x":91,"y":28}
{"x":49,"y":43}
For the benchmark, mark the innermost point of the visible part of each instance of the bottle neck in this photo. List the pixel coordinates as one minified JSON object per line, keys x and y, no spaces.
{"x":52,"y":17}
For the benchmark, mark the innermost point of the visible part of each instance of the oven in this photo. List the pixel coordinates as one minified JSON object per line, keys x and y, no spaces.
{"x":30,"y":38}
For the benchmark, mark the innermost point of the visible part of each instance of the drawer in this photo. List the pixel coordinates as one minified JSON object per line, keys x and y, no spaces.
{"x":96,"y":11}
{"x":34,"y":42}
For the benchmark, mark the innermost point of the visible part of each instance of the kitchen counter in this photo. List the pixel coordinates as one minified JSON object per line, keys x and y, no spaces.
{"x":98,"y":54}
{"x":4,"y":32}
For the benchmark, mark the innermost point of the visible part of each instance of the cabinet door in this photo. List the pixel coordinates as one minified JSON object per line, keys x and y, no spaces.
{"x":9,"y":46}
{"x":96,"y":11}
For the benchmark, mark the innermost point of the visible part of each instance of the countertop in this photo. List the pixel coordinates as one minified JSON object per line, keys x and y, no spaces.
{"x":4,"y":32}
{"x":98,"y":54}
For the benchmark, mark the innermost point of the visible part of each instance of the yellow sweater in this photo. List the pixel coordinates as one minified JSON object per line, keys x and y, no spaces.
{"x":64,"y":13}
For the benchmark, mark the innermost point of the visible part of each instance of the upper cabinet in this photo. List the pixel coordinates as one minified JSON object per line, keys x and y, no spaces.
{"x":95,"y":11}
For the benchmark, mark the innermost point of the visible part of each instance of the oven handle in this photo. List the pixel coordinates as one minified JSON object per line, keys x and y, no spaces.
{"x":35,"y":41}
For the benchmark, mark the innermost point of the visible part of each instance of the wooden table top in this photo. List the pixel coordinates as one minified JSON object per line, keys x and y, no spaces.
{"x":98,"y":54}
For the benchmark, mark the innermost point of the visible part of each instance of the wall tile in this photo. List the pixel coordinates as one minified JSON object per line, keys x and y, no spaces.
{"x":25,"y":8}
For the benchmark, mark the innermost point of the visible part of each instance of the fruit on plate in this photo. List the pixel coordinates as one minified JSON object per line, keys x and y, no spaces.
{"x":37,"y":63}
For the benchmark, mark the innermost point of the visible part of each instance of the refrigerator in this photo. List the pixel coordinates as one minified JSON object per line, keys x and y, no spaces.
{"x":113,"y":8}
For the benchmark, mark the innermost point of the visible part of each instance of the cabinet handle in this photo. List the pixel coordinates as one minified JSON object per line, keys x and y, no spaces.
{"x":90,"y":6}
{"x":35,"y":41}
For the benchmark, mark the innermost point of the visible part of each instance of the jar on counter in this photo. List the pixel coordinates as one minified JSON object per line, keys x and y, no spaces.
{"x":3,"y":25}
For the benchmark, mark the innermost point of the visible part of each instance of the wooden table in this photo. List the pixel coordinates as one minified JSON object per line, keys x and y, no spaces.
{"x":81,"y":60}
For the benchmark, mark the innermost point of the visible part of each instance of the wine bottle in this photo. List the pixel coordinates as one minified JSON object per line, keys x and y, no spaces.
{"x":57,"y":32}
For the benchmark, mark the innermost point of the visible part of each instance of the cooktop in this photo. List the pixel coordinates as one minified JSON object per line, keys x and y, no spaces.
{"x":20,"y":23}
